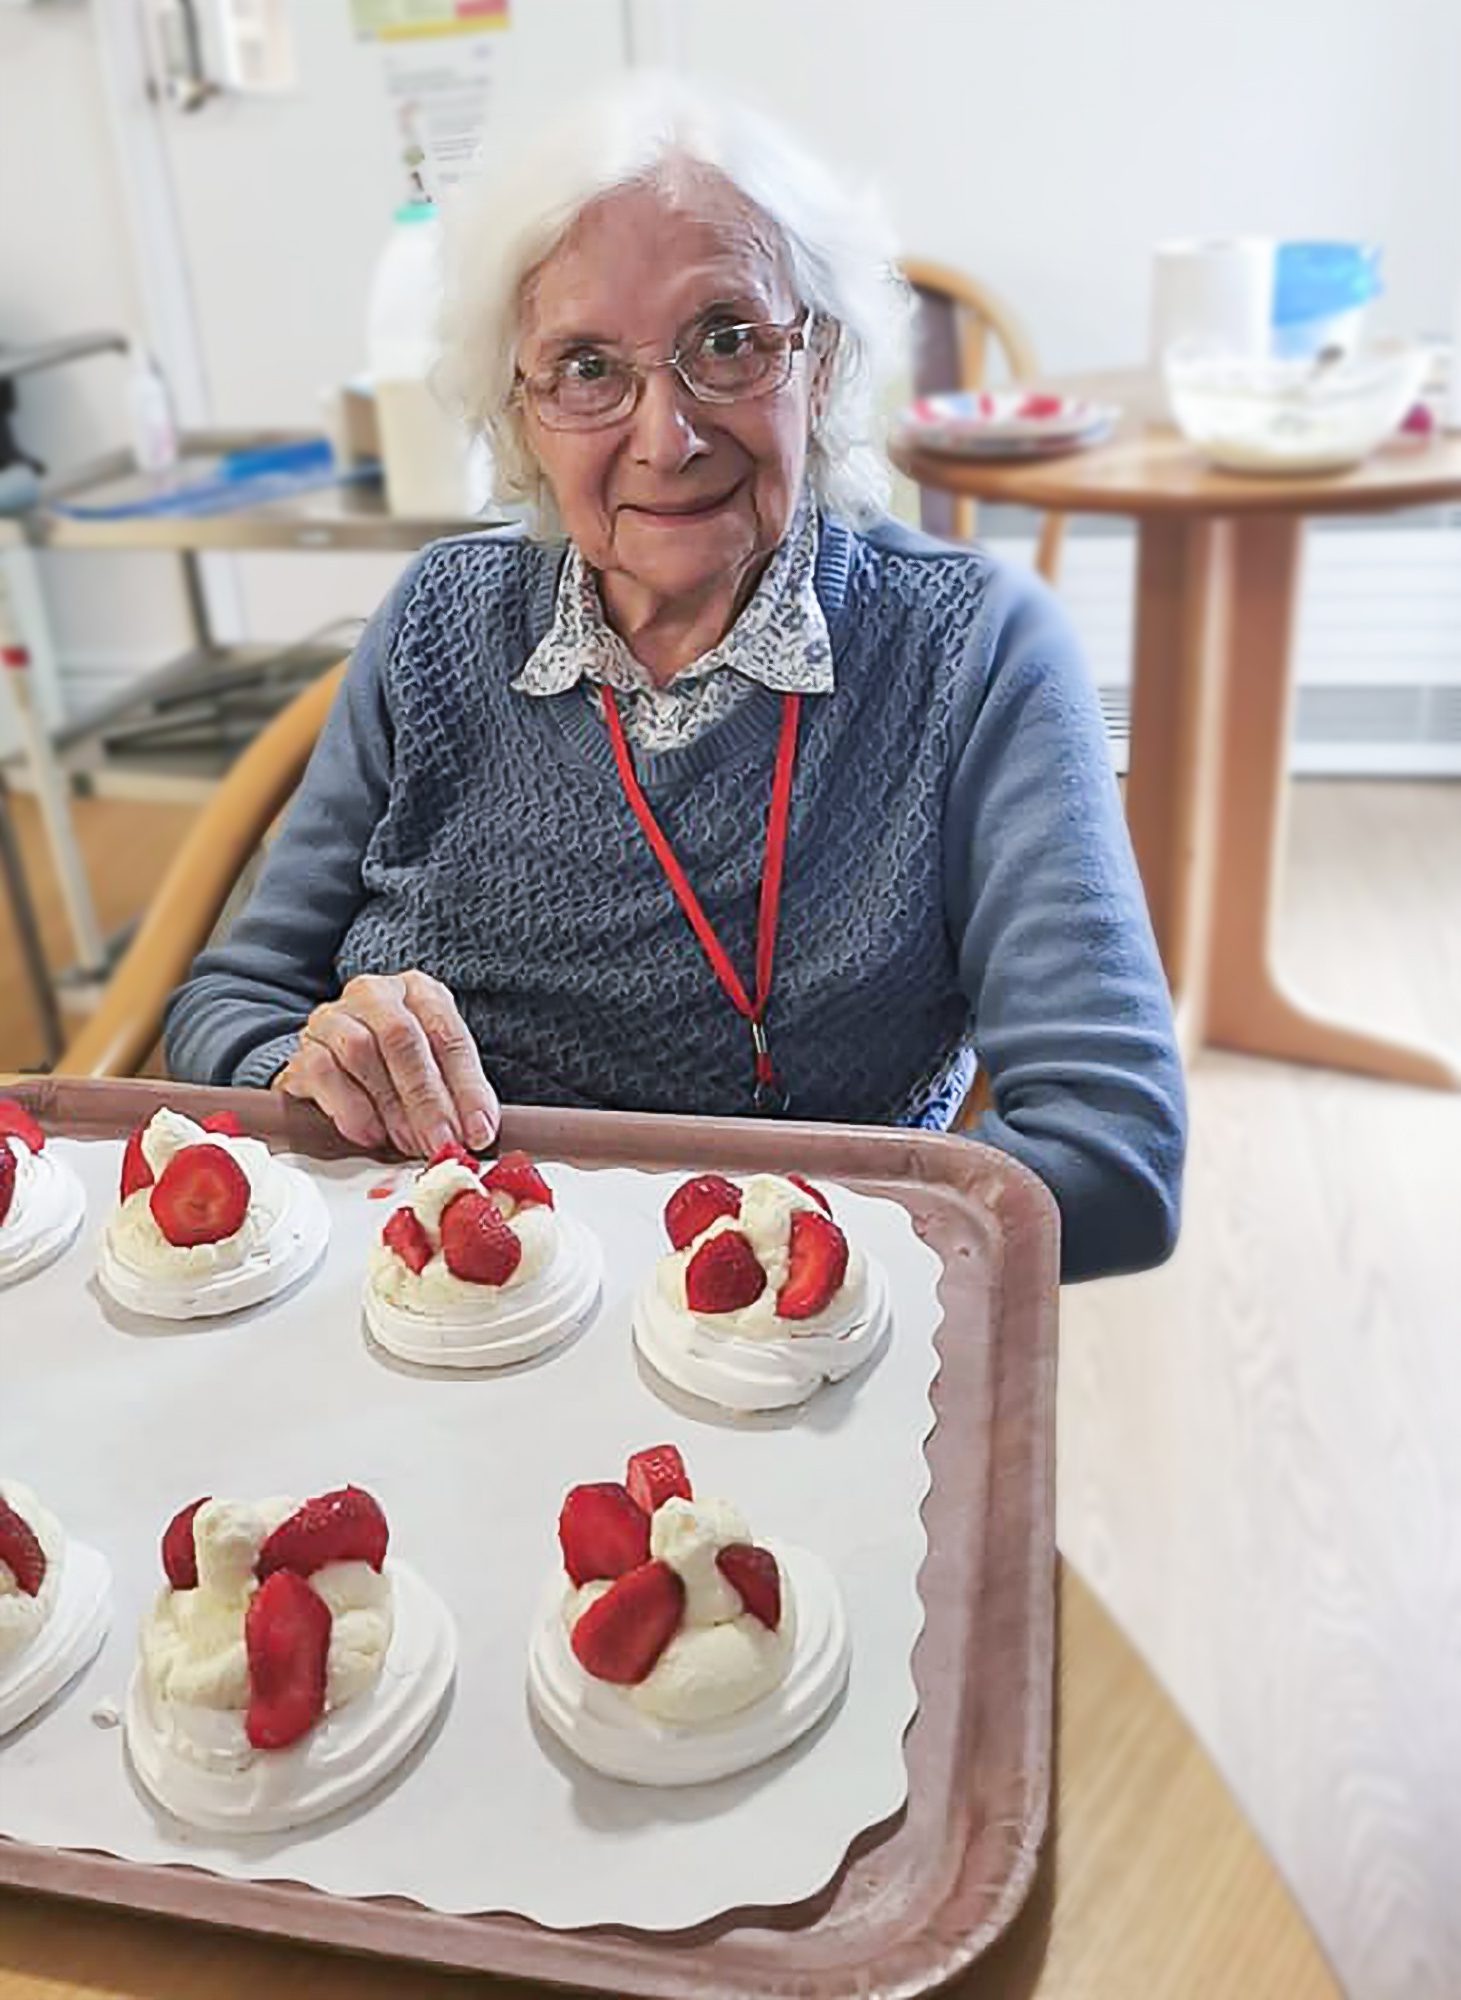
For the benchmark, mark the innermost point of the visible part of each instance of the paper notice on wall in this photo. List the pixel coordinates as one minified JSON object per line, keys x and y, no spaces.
{"x":439,"y":91}
{"x":425,"y":20}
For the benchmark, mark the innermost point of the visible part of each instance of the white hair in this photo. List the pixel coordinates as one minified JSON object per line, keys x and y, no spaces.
{"x":646,"y":130}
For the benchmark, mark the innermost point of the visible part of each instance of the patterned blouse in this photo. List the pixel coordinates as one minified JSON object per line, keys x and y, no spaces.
{"x":780,"y":640}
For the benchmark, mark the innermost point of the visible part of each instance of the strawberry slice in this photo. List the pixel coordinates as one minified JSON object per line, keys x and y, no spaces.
{"x":406,"y":1235}
{"x":16,"y":1122}
{"x":202,"y":1196}
{"x":815,"y":1192}
{"x":179,"y":1551}
{"x":477,"y":1244}
{"x":620,"y":1637}
{"x":516,"y":1175}
{"x":602,"y":1532}
{"x":287,"y":1635}
{"x":224,"y":1122}
{"x":20,"y":1550}
{"x":694,"y":1205}
{"x":453,"y":1149}
{"x":723,"y":1275}
{"x":344,"y":1526}
{"x":755,"y":1574}
{"x":8,"y":1172}
{"x":817,"y":1266}
{"x":135,"y":1171}
{"x":657,"y":1475}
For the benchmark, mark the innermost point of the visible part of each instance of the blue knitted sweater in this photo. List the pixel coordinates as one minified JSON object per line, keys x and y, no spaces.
{"x":958,"y":876}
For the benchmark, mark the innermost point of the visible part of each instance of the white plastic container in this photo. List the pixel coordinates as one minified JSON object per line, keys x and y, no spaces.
{"x":149,"y":413}
{"x":433,"y":469}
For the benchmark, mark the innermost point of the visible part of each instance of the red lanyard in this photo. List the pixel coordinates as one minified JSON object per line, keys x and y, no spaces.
{"x":770,"y":1095}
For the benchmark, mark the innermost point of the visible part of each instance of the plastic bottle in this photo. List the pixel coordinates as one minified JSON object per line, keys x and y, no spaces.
{"x":433,"y":469}
{"x":149,"y":413}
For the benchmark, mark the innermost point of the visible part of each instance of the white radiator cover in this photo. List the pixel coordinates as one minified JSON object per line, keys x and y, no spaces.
{"x":1379,"y":666}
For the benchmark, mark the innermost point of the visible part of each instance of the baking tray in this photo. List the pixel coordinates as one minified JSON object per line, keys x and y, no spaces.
{"x":918,"y":1898}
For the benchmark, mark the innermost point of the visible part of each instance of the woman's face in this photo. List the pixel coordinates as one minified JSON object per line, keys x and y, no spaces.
{"x":680,"y":499}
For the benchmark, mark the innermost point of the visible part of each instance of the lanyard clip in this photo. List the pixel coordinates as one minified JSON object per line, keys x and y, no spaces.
{"x":770,"y":1097}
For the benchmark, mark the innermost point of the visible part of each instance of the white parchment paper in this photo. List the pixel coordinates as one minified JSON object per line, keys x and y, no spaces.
{"x":116,"y":1422}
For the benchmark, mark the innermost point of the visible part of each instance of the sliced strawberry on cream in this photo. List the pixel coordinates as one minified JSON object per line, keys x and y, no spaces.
{"x":8,"y":1171}
{"x":136,"y":1167}
{"x":816,"y":1266}
{"x":697,"y":1203}
{"x":622,"y":1634}
{"x":723,"y":1274}
{"x":179,"y":1552}
{"x":21,"y":1551}
{"x":225,"y":1122}
{"x":514,"y":1174}
{"x":405,"y":1235}
{"x":755,"y":1576}
{"x":476,"y":1243}
{"x":287,"y":1638}
{"x":800,"y":1181}
{"x":602,"y":1532}
{"x":201,"y":1196}
{"x":17,"y":1123}
{"x":345,"y":1526}
{"x":657,"y":1475}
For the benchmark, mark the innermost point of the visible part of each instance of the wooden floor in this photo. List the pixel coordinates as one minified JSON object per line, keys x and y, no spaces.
{"x":1260,"y":1449}
{"x":1260,"y":1454}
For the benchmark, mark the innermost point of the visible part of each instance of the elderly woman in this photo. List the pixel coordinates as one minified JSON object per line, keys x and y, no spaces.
{"x":722,"y":792}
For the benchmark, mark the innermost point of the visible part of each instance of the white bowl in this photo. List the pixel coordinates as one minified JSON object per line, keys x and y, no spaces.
{"x":1293,"y":416}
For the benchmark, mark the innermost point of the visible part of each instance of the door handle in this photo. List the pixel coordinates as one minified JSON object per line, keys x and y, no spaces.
{"x":186,"y":77}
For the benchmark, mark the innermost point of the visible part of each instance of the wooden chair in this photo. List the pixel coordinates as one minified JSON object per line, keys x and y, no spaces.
{"x":957,"y":318}
{"x":197,"y":888}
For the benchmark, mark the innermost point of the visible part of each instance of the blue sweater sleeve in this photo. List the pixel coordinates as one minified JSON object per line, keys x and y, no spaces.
{"x":1071,"y":1014}
{"x":236,"y":1019}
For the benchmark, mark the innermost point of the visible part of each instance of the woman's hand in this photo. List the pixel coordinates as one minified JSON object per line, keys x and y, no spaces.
{"x":392,"y":1058}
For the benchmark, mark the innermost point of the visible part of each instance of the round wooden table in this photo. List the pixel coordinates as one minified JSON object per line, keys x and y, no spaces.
{"x":1152,"y":1885}
{"x":1217,"y":592}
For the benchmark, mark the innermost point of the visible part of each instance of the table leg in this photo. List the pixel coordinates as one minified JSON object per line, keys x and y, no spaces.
{"x":1247,"y":1004}
{"x":1171,"y":786}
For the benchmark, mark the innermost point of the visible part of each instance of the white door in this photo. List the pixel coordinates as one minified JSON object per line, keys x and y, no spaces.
{"x":268,"y":207}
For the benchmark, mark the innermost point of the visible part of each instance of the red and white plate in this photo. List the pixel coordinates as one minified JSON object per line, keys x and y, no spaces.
{"x":1006,"y":423}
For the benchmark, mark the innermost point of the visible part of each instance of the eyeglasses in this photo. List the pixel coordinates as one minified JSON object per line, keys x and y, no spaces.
{"x":593,"y":387}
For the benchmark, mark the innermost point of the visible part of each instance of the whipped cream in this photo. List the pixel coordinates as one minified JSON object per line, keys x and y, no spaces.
{"x":391,"y":1656}
{"x":726,"y":1693}
{"x":437,"y":1319}
{"x":48,"y":1638}
{"x":197,"y":1762}
{"x":282,"y":1236}
{"x":46,"y":1209}
{"x":751,"y":1359}
{"x":21,"y":1615}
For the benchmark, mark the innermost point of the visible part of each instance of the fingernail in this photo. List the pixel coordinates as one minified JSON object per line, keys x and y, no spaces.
{"x":479,"y":1129}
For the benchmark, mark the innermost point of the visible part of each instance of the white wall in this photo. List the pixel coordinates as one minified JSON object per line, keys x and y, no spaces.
{"x":1047,"y":144}
{"x":66,"y":267}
